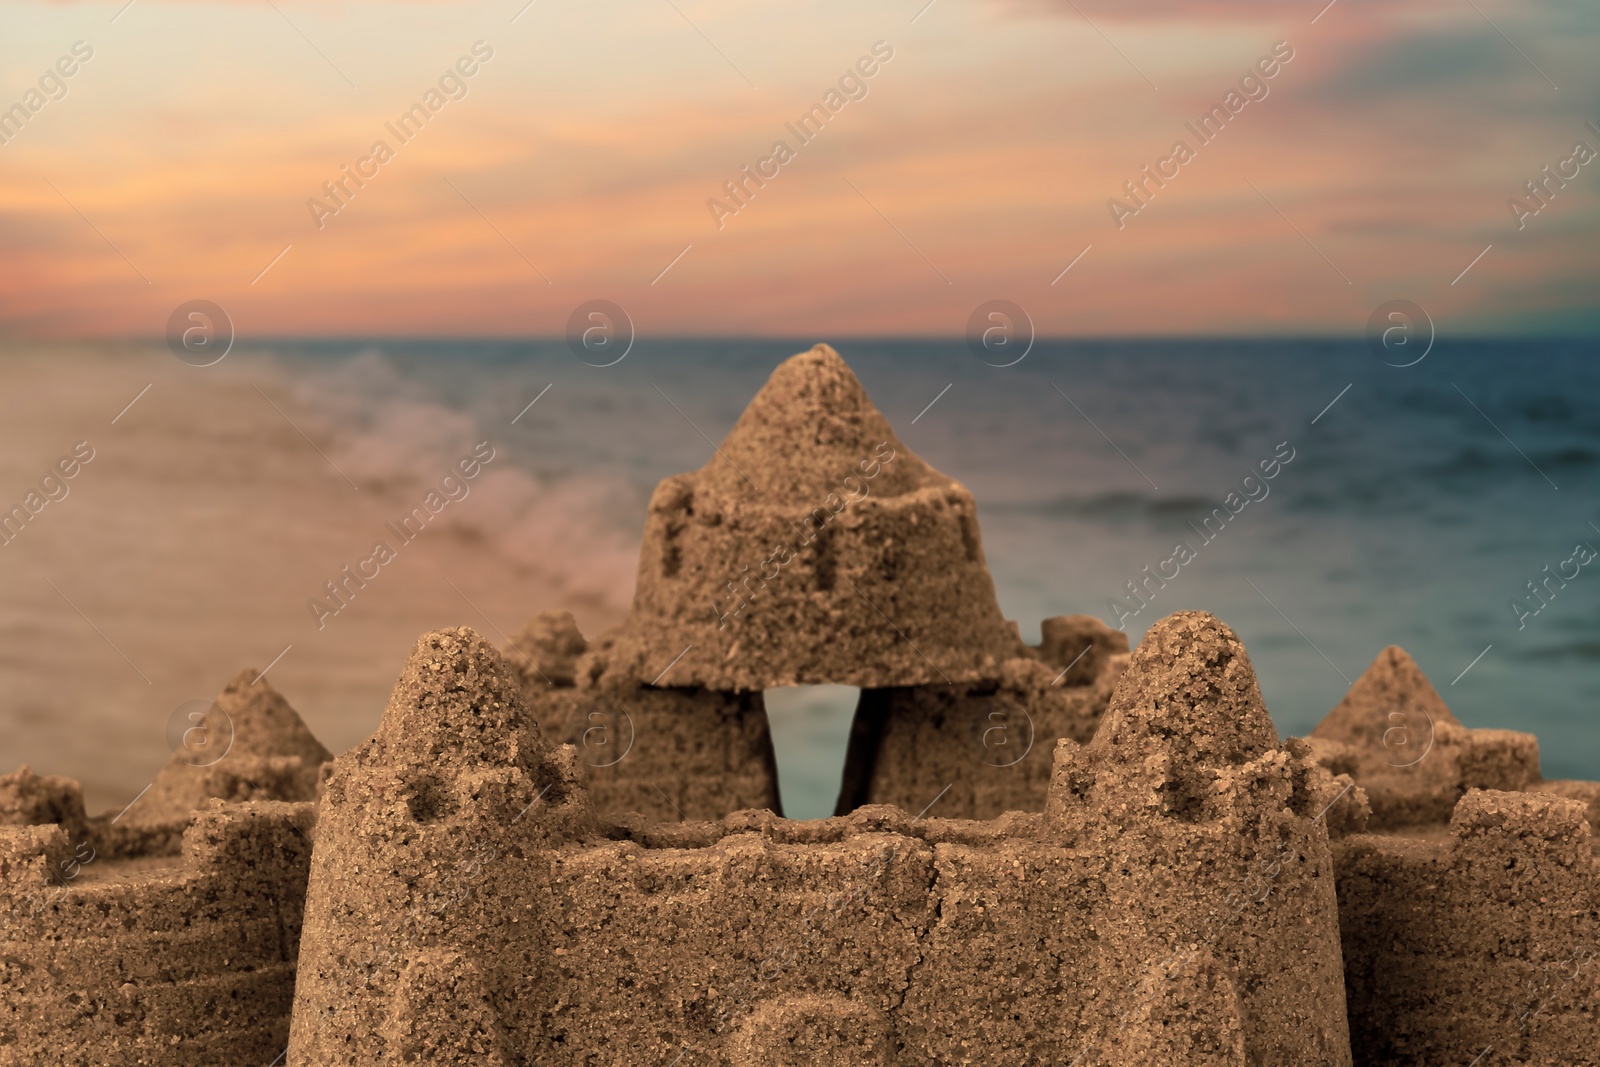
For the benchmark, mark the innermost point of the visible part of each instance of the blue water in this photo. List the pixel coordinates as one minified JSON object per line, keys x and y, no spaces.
{"x":1412,"y":512}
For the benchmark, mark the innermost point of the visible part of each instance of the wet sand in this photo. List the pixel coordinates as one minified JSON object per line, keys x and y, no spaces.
{"x":189,"y":546}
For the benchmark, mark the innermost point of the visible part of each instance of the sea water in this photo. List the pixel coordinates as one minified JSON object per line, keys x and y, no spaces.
{"x":1437,"y":507}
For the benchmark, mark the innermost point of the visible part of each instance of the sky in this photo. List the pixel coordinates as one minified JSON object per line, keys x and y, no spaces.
{"x":984,"y":157}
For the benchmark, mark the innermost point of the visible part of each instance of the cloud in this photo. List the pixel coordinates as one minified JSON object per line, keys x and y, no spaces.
{"x":1262,"y":11}
{"x":1391,"y":141}
{"x":1472,"y":61}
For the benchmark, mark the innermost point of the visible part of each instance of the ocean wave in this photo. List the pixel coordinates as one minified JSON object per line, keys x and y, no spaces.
{"x":395,"y":437}
{"x":1567,"y":457}
{"x":1478,"y":461}
{"x":1582,"y":651}
{"x":1119,"y":505}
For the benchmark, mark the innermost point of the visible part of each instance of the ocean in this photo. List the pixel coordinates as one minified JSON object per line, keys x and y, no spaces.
{"x":1410,"y":506}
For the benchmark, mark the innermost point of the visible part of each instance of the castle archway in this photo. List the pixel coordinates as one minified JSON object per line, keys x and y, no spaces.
{"x":810,"y":728}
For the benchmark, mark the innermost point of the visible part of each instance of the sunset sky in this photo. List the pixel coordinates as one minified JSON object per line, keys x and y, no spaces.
{"x":977,"y":163}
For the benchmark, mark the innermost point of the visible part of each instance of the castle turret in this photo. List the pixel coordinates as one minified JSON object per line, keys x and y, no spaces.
{"x":813,"y":548}
{"x":1475,"y":944}
{"x":248,"y":745}
{"x":1413,"y":757}
{"x":423,"y":928}
{"x":185,"y":960}
{"x":1209,"y":839}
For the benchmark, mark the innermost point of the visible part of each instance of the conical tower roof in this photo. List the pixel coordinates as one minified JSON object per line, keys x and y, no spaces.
{"x":1184,"y":721}
{"x":812,"y":420}
{"x":250,"y":743}
{"x":1392,"y":691}
{"x":1189,"y":692}
{"x":457,"y":705}
{"x":812,"y":548}
{"x":264,"y":724}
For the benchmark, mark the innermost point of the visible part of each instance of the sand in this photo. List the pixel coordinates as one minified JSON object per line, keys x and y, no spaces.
{"x":880,"y":935}
{"x":192,"y":542}
{"x":813,"y":548}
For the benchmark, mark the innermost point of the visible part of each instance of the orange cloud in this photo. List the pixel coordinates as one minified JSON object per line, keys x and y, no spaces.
{"x":979,"y":165}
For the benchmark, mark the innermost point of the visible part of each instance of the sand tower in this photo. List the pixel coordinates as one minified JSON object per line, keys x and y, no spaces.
{"x":668,"y":752}
{"x":427,"y":939}
{"x":169,"y":932}
{"x":780,"y":560}
{"x":1215,"y":930}
{"x":815,"y":548}
{"x":1468,"y":914}
{"x":1413,"y":757}
{"x":253,"y":746}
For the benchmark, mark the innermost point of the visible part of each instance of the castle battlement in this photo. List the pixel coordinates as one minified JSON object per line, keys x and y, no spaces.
{"x":588,"y":939}
{"x":1483,"y":939}
{"x":160,"y":936}
{"x":1469,"y":916}
{"x":172,"y":960}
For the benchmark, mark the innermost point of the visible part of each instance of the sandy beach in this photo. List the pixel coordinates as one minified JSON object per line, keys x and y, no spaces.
{"x":189,"y":546}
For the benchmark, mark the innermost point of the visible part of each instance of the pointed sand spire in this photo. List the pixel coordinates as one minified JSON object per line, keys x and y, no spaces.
{"x":263,"y":722}
{"x":250,"y":744}
{"x":1189,"y":691}
{"x":457,"y":703}
{"x":810,"y":421}
{"x":1183,"y":728}
{"x":1393,"y":692}
{"x":1412,"y":756}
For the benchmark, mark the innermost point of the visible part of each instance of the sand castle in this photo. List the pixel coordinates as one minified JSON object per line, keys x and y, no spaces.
{"x":571,"y":850}
{"x":167,"y":933}
{"x":883,"y":937}
{"x":1470,"y":917}
{"x":813,"y":548}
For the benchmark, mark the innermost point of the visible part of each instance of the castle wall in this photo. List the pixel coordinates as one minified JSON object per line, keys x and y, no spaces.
{"x":673,"y":753}
{"x":950,"y":941}
{"x":737,"y":944}
{"x":465,"y":907}
{"x":186,"y":960}
{"x":1586,"y":793}
{"x":1005,"y":966}
{"x":668,"y":754}
{"x":1482,"y":946}
{"x":990,"y":745}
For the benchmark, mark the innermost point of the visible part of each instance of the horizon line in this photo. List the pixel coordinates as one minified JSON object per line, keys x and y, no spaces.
{"x":729,"y":338}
